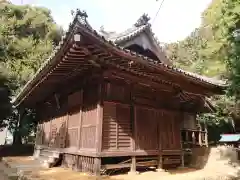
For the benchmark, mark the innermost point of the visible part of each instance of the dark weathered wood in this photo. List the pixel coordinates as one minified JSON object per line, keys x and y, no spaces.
{"x":133,"y":120}
{"x":117,"y":74}
{"x":119,"y":115}
{"x":116,"y":166}
{"x":99,"y":124}
{"x":80,"y":120}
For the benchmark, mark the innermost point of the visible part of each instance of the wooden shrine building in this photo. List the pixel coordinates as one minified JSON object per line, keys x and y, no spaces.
{"x":106,"y":100}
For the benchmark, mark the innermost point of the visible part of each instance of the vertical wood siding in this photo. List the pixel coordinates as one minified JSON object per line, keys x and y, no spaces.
{"x":89,"y":116}
{"x":170,"y":131}
{"x":73,"y":124}
{"x":118,"y":92}
{"x":74,"y":117}
{"x":147,"y":129}
{"x":75,"y":127}
{"x":117,"y":130}
{"x":80,"y":163}
{"x":189,"y":121}
{"x":88,"y":134}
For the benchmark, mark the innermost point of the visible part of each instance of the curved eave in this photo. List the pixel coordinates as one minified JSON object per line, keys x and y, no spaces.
{"x":111,"y":46}
{"x":46,"y":66}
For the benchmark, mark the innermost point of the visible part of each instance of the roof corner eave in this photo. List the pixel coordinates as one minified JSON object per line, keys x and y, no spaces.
{"x":17,"y":100}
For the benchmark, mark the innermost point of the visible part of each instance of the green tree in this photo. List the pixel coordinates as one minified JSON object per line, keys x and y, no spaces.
{"x":213,"y":51}
{"x":27,"y":37}
{"x":224,"y":16}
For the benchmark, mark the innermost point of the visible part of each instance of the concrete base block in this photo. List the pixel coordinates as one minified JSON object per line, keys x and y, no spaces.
{"x":133,"y":173}
{"x":36,"y":154}
{"x":160,"y":170}
{"x":46,"y":164}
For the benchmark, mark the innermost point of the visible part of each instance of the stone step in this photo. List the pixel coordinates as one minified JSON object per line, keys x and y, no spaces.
{"x":8,"y":173}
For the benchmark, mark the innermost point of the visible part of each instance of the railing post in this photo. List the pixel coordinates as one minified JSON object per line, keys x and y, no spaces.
{"x":193,"y":137}
{"x":200,"y":136}
{"x":206,"y":134}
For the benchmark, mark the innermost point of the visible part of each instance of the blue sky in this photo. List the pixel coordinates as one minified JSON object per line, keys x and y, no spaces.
{"x":176,"y":19}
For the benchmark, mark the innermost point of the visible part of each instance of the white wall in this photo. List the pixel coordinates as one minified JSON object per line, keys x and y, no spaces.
{"x":5,"y":134}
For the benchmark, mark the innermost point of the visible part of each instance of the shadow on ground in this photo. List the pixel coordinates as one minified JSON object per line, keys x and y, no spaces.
{"x":16,"y":150}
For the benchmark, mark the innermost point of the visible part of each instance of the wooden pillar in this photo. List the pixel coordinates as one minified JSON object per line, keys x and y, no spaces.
{"x":193,"y":137}
{"x":97,"y":161}
{"x":182,"y":158}
{"x":80,"y":120}
{"x":160,"y":163}
{"x":200,"y":137}
{"x":97,"y":166}
{"x":99,"y":118}
{"x":160,"y":156}
{"x":133,"y":165}
{"x":182,"y":149}
{"x":133,"y":120}
{"x":206,"y":134}
{"x":133,"y":168}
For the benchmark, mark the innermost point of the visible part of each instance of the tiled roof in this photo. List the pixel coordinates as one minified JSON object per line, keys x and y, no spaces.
{"x":134,"y":31}
{"x":125,"y":35}
{"x":204,"y":78}
{"x":111,"y":39}
{"x":229,"y":138}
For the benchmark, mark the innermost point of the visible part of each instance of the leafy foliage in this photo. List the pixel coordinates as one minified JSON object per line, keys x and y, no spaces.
{"x":212,"y":50}
{"x":194,"y":54}
{"x":27,"y":37}
{"x":220,"y":121}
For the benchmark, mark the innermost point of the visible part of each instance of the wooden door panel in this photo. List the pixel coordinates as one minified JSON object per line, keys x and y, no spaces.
{"x":169,"y":131}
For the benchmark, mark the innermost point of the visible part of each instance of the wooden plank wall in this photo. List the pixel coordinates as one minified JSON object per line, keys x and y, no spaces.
{"x":76,"y":127}
{"x":146,"y":129}
{"x":189,"y":121}
{"x":74,"y":124}
{"x":89,"y":117}
{"x":117,"y":131}
{"x":171,"y":126}
{"x":153,"y":128}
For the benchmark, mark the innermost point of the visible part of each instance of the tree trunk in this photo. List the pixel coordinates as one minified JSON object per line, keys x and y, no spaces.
{"x":17,"y":138}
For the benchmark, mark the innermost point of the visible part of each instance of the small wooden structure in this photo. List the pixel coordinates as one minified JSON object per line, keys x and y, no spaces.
{"x":102,"y":106}
{"x":230,"y":139}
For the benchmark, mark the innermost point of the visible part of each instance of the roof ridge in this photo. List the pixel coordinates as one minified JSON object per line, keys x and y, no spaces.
{"x":133,"y":34}
{"x":53,"y":53}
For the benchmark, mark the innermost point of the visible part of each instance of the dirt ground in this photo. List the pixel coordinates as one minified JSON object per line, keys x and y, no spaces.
{"x":215,"y":169}
{"x":67,"y":174}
